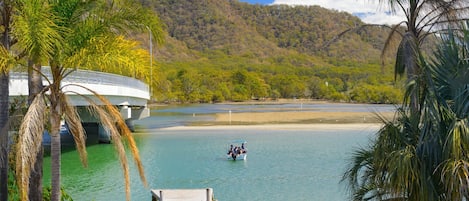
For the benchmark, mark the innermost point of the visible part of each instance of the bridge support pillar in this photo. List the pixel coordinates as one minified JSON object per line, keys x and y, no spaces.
{"x":126,"y":111}
{"x":104,"y":136}
{"x":130,"y":124}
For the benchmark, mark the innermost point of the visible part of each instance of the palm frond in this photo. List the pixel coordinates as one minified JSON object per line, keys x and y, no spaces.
{"x":362,"y":160}
{"x":132,"y":16}
{"x":115,"y":53}
{"x":73,"y":122}
{"x":110,"y":126}
{"x":455,"y":175}
{"x":403,"y":171}
{"x":124,"y":131}
{"x":389,"y":40}
{"x":407,"y":55}
{"x":112,"y":120}
{"x":36,"y":30}
{"x":455,"y":145}
{"x":30,"y":142}
{"x":7,"y":60}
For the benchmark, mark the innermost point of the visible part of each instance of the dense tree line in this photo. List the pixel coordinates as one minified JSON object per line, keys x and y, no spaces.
{"x":236,"y":79}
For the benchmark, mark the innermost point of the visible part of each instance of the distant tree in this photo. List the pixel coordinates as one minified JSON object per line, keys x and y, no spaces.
{"x":240,"y":93}
{"x":289,"y":86}
{"x":239,"y":77}
{"x":316,"y":88}
{"x":256,"y":86}
{"x":187,"y":84}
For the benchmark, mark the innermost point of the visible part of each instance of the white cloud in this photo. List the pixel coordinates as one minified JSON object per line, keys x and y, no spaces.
{"x":368,"y":11}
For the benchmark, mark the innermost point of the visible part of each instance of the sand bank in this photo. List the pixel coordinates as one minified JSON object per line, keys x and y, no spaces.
{"x":361,"y":126}
{"x":301,"y":117}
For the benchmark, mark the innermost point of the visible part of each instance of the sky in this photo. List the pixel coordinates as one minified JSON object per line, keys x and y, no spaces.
{"x":367,"y":10}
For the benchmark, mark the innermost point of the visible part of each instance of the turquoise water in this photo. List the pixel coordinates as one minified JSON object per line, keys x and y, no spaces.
{"x":281,"y":165}
{"x":284,"y":164}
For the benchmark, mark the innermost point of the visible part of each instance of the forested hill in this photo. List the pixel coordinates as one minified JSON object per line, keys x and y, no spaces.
{"x":237,"y":28}
{"x":228,"y":38}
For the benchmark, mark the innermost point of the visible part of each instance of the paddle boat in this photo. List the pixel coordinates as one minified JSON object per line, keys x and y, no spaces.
{"x":237,"y":150}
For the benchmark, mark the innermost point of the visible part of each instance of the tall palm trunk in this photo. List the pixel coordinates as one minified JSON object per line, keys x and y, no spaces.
{"x":55,"y":149}
{"x":410,"y":56}
{"x":6,"y":10}
{"x":4,"y":93}
{"x":35,"y":86}
{"x":55,"y":116}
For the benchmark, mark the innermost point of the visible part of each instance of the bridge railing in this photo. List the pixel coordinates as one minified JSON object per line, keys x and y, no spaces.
{"x":90,"y":77}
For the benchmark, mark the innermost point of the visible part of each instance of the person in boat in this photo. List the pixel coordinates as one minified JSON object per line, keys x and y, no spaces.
{"x":236,"y":150}
{"x":243,"y":150}
{"x":231,"y":150}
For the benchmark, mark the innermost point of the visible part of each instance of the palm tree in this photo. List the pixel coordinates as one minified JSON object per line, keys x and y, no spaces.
{"x":407,"y":160}
{"x":422,"y":19}
{"x":4,"y":79}
{"x":7,"y":60}
{"x":424,"y":155}
{"x":38,"y":33}
{"x":9,"y":57}
{"x":85,"y":27}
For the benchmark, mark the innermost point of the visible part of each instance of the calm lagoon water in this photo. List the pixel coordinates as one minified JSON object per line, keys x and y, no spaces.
{"x":286,"y":164}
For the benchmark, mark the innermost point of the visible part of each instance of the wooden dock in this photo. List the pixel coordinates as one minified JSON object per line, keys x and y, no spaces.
{"x":182,"y":194}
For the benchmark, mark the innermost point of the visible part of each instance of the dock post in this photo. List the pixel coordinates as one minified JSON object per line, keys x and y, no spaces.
{"x":161,"y":195}
{"x":209,"y":197}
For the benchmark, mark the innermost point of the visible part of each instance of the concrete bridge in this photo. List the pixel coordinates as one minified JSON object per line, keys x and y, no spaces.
{"x":128,"y":94}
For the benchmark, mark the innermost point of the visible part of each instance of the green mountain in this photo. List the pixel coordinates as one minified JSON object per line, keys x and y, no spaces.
{"x":240,"y":28}
{"x":210,"y":42}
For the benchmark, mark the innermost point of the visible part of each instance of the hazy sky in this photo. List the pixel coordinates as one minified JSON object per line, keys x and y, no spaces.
{"x":368,"y":10}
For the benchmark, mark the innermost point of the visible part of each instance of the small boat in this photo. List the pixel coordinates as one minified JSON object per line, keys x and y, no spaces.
{"x":237,"y":150}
